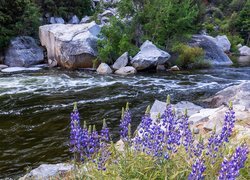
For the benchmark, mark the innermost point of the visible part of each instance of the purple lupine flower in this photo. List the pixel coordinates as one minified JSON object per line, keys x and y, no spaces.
{"x":75,"y":131}
{"x":216,"y":141}
{"x":125,"y":124}
{"x":93,"y":144}
{"x":104,"y":155}
{"x":230,"y":168}
{"x":197,"y":170}
{"x":105,"y":137}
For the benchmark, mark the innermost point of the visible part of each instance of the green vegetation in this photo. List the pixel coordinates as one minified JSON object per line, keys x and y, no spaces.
{"x":190,"y":57}
{"x":20,"y":17}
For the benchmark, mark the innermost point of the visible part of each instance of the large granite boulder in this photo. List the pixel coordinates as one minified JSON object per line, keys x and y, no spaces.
{"x":72,"y":46}
{"x":122,"y":61}
{"x":213,"y":53}
{"x":149,"y":56}
{"x":238,"y":94}
{"x":48,"y":171}
{"x":223,"y":43}
{"x":23,"y":52}
{"x":244,"y":51}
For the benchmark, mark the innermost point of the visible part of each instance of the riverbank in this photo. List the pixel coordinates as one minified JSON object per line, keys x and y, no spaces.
{"x":35,"y":107}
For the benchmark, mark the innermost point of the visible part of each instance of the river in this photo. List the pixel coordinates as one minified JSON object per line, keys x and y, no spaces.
{"x":35,"y":106}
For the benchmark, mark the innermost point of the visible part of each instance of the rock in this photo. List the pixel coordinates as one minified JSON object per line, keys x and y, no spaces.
{"x":126,"y":70}
{"x":119,"y":145}
{"x":159,"y":107}
{"x":2,"y":66}
{"x":52,"y":62}
{"x":196,"y":130}
{"x":85,"y":19}
{"x":72,"y":46}
{"x":214,"y":55}
{"x":104,"y":69}
{"x":17,"y":69}
{"x":74,"y":20}
{"x":122,"y":61}
{"x":160,"y":68}
{"x":56,"y":20}
{"x":48,"y":171}
{"x":107,"y":13}
{"x":239,"y":46}
{"x":149,"y":56}
{"x":175,"y":68}
{"x":238,"y":94}
{"x":223,"y":43}
{"x":244,"y":51}
{"x":23,"y":52}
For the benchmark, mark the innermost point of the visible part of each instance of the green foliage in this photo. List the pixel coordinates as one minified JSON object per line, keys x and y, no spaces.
{"x":65,"y":8}
{"x":115,"y":41}
{"x":20,"y":17}
{"x":190,"y":57}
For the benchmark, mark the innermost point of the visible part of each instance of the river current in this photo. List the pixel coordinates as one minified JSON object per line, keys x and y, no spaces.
{"x":35,"y":106}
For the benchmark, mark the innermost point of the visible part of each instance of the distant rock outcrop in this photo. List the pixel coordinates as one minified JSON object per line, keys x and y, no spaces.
{"x":23,"y":52}
{"x":213,"y":53}
{"x":72,"y":46}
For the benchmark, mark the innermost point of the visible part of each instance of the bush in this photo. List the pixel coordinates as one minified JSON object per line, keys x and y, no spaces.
{"x":20,"y":17}
{"x":164,"y":148}
{"x":190,"y":57}
{"x":115,"y":40}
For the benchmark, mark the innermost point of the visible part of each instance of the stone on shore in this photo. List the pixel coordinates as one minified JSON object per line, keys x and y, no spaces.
{"x":127,"y":70}
{"x":103,"y":68}
{"x":122,"y":61}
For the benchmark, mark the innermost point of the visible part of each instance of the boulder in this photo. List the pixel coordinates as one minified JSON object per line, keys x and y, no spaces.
{"x":23,"y":52}
{"x":244,"y":51}
{"x":56,"y":20}
{"x":103,"y":68}
{"x":74,"y":20}
{"x":122,"y":61}
{"x":159,"y":107}
{"x":175,"y":68}
{"x":71,"y":45}
{"x":85,"y":19}
{"x":48,"y":171}
{"x":160,"y":68}
{"x":149,"y":56}
{"x":2,"y":66}
{"x":126,"y":70}
{"x":238,"y":94}
{"x":52,"y":62}
{"x":223,"y":43}
{"x":214,"y":54}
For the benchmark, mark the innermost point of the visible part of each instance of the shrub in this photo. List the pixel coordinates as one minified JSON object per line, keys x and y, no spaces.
{"x":115,"y":40}
{"x":164,"y":148}
{"x":190,"y":57}
{"x":20,"y":17}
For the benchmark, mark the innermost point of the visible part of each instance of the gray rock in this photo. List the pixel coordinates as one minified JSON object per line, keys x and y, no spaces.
{"x":196,"y":130}
{"x":122,"y":61}
{"x":71,"y":45}
{"x":244,"y":51}
{"x":175,"y":68}
{"x":23,"y":52}
{"x":48,"y":171}
{"x":149,"y":56}
{"x":213,"y":53}
{"x":74,"y":20}
{"x":104,"y":69}
{"x":223,"y":43}
{"x":107,"y":13}
{"x":52,"y":62}
{"x":2,"y":66}
{"x":238,"y":94}
{"x":160,"y":68}
{"x":104,"y":20}
{"x":56,"y":20}
{"x":18,"y":69}
{"x":126,"y":70}
{"x":85,"y":19}
{"x":159,"y":107}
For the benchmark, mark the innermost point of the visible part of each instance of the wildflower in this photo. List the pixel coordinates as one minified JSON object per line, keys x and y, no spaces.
{"x":105,"y":132}
{"x":75,"y":131}
{"x":197,"y":170}
{"x":125,"y":123}
{"x":230,"y":168}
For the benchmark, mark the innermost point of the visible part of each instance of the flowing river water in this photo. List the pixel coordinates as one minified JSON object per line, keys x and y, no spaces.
{"x":35,"y":106}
